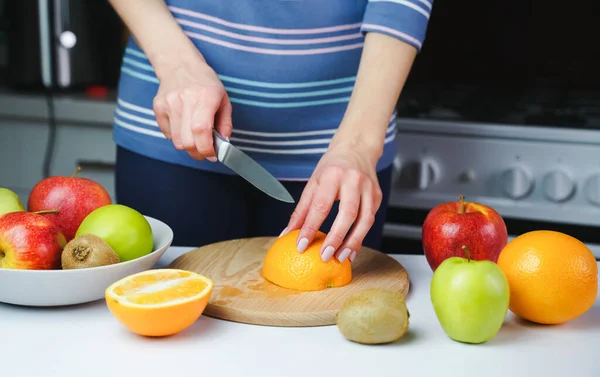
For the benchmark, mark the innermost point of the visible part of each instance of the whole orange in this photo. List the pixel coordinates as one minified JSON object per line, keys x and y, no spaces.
{"x":286,"y":267}
{"x":553,"y":276}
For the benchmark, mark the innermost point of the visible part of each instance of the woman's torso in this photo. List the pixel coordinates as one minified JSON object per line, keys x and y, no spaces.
{"x":289,"y":68}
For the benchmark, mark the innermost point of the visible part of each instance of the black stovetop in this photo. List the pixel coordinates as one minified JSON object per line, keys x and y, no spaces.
{"x":541,"y":106}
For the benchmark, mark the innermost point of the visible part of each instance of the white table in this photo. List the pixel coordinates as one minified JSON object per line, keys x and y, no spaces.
{"x":86,"y":341}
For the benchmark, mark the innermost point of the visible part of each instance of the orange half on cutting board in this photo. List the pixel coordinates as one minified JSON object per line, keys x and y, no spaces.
{"x":159,"y":302}
{"x":286,"y":267}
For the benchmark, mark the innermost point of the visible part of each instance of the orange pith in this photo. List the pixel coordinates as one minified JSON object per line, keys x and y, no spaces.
{"x":159,"y":302}
{"x":286,"y":267}
{"x":553,"y":277}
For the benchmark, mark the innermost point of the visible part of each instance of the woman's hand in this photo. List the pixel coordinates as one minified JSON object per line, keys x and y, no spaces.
{"x":345,"y":173}
{"x":190,"y":101}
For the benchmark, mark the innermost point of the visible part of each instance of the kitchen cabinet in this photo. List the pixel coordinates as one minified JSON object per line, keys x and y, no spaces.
{"x":83,"y":137}
{"x":22,"y":148}
{"x":90,"y":147}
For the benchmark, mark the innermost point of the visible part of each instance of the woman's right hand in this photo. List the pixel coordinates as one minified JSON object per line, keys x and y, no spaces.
{"x":190,"y":101}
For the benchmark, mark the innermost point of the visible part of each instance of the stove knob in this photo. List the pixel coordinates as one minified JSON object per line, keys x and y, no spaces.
{"x":516,"y":182}
{"x":427,"y":172}
{"x":592,"y":190}
{"x":558,"y":186}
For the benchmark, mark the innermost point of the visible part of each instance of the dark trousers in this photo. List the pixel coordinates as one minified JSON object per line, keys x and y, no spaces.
{"x":204,"y":207}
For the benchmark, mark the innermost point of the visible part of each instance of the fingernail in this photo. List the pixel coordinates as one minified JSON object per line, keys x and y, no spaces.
{"x":327,"y":253}
{"x":212,"y":159}
{"x":302,"y":245}
{"x":227,"y":138}
{"x":352,"y":256}
{"x":344,"y":254}
{"x":283,"y":231}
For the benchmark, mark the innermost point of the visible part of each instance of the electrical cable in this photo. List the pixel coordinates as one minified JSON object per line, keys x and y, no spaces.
{"x":51,"y":134}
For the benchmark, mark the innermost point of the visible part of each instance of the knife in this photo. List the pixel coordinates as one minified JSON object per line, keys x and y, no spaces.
{"x":249,"y":169}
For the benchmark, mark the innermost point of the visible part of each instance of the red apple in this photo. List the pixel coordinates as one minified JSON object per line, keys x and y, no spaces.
{"x":74,"y":198}
{"x":449,"y":226}
{"x":30,"y":241}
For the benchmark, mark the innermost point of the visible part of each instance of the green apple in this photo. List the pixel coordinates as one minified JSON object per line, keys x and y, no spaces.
{"x":9,"y":202}
{"x":470,"y":298}
{"x":123,"y":228}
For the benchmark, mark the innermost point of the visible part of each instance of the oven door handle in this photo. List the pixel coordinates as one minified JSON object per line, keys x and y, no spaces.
{"x":412,"y":232}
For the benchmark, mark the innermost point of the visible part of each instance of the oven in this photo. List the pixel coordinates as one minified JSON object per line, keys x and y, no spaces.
{"x":503,"y":107}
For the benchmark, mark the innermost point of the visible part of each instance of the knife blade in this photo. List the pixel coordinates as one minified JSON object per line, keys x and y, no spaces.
{"x":249,"y":169}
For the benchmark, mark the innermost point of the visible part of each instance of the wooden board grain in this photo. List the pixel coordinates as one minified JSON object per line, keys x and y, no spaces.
{"x":241,"y":294}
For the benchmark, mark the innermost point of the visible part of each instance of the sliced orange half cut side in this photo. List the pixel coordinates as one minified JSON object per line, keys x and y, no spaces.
{"x":159,"y":302}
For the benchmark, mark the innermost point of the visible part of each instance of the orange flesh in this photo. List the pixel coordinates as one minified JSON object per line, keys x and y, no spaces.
{"x":160,"y":288}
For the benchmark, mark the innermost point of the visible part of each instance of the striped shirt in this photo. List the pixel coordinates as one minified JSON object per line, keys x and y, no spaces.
{"x":289,"y":68}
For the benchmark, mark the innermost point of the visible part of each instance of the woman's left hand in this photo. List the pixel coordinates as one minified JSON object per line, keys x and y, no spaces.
{"x":348,"y":170}
{"x":344,"y":173}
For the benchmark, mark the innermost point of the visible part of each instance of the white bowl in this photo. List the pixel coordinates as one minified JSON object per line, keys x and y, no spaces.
{"x":70,"y":287}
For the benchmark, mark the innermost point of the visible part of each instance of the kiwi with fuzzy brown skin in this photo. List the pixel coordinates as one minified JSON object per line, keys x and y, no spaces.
{"x":374,"y":316}
{"x":87,"y":251}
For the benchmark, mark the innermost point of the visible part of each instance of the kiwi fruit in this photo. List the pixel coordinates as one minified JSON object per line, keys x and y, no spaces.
{"x":374,"y":316}
{"x":86,"y":251}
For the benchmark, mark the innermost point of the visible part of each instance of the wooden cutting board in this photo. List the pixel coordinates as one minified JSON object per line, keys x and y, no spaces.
{"x":241,"y":294}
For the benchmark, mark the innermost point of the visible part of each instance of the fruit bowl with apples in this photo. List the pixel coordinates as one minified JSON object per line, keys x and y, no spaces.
{"x":71,"y":243}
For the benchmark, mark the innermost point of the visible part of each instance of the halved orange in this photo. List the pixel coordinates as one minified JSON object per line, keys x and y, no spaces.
{"x":159,"y":302}
{"x":286,"y":267}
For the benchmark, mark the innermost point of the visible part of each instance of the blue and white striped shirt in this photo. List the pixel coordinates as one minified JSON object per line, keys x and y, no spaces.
{"x":288,"y":66}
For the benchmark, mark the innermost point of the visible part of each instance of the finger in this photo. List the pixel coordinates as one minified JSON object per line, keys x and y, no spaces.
{"x":364,"y":222}
{"x":377,"y":197}
{"x":189,"y":102}
{"x":301,"y":210}
{"x":174,"y":113}
{"x":350,"y":195}
{"x":223,"y":121}
{"x":160,"y":112}
{"x":325,"y":194}
{"x":202,"y":123}
{"x":202,"y":134}
{"x":195,"y":155}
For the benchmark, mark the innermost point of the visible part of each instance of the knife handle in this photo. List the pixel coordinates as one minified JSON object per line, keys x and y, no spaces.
{"x":220,"y":145}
